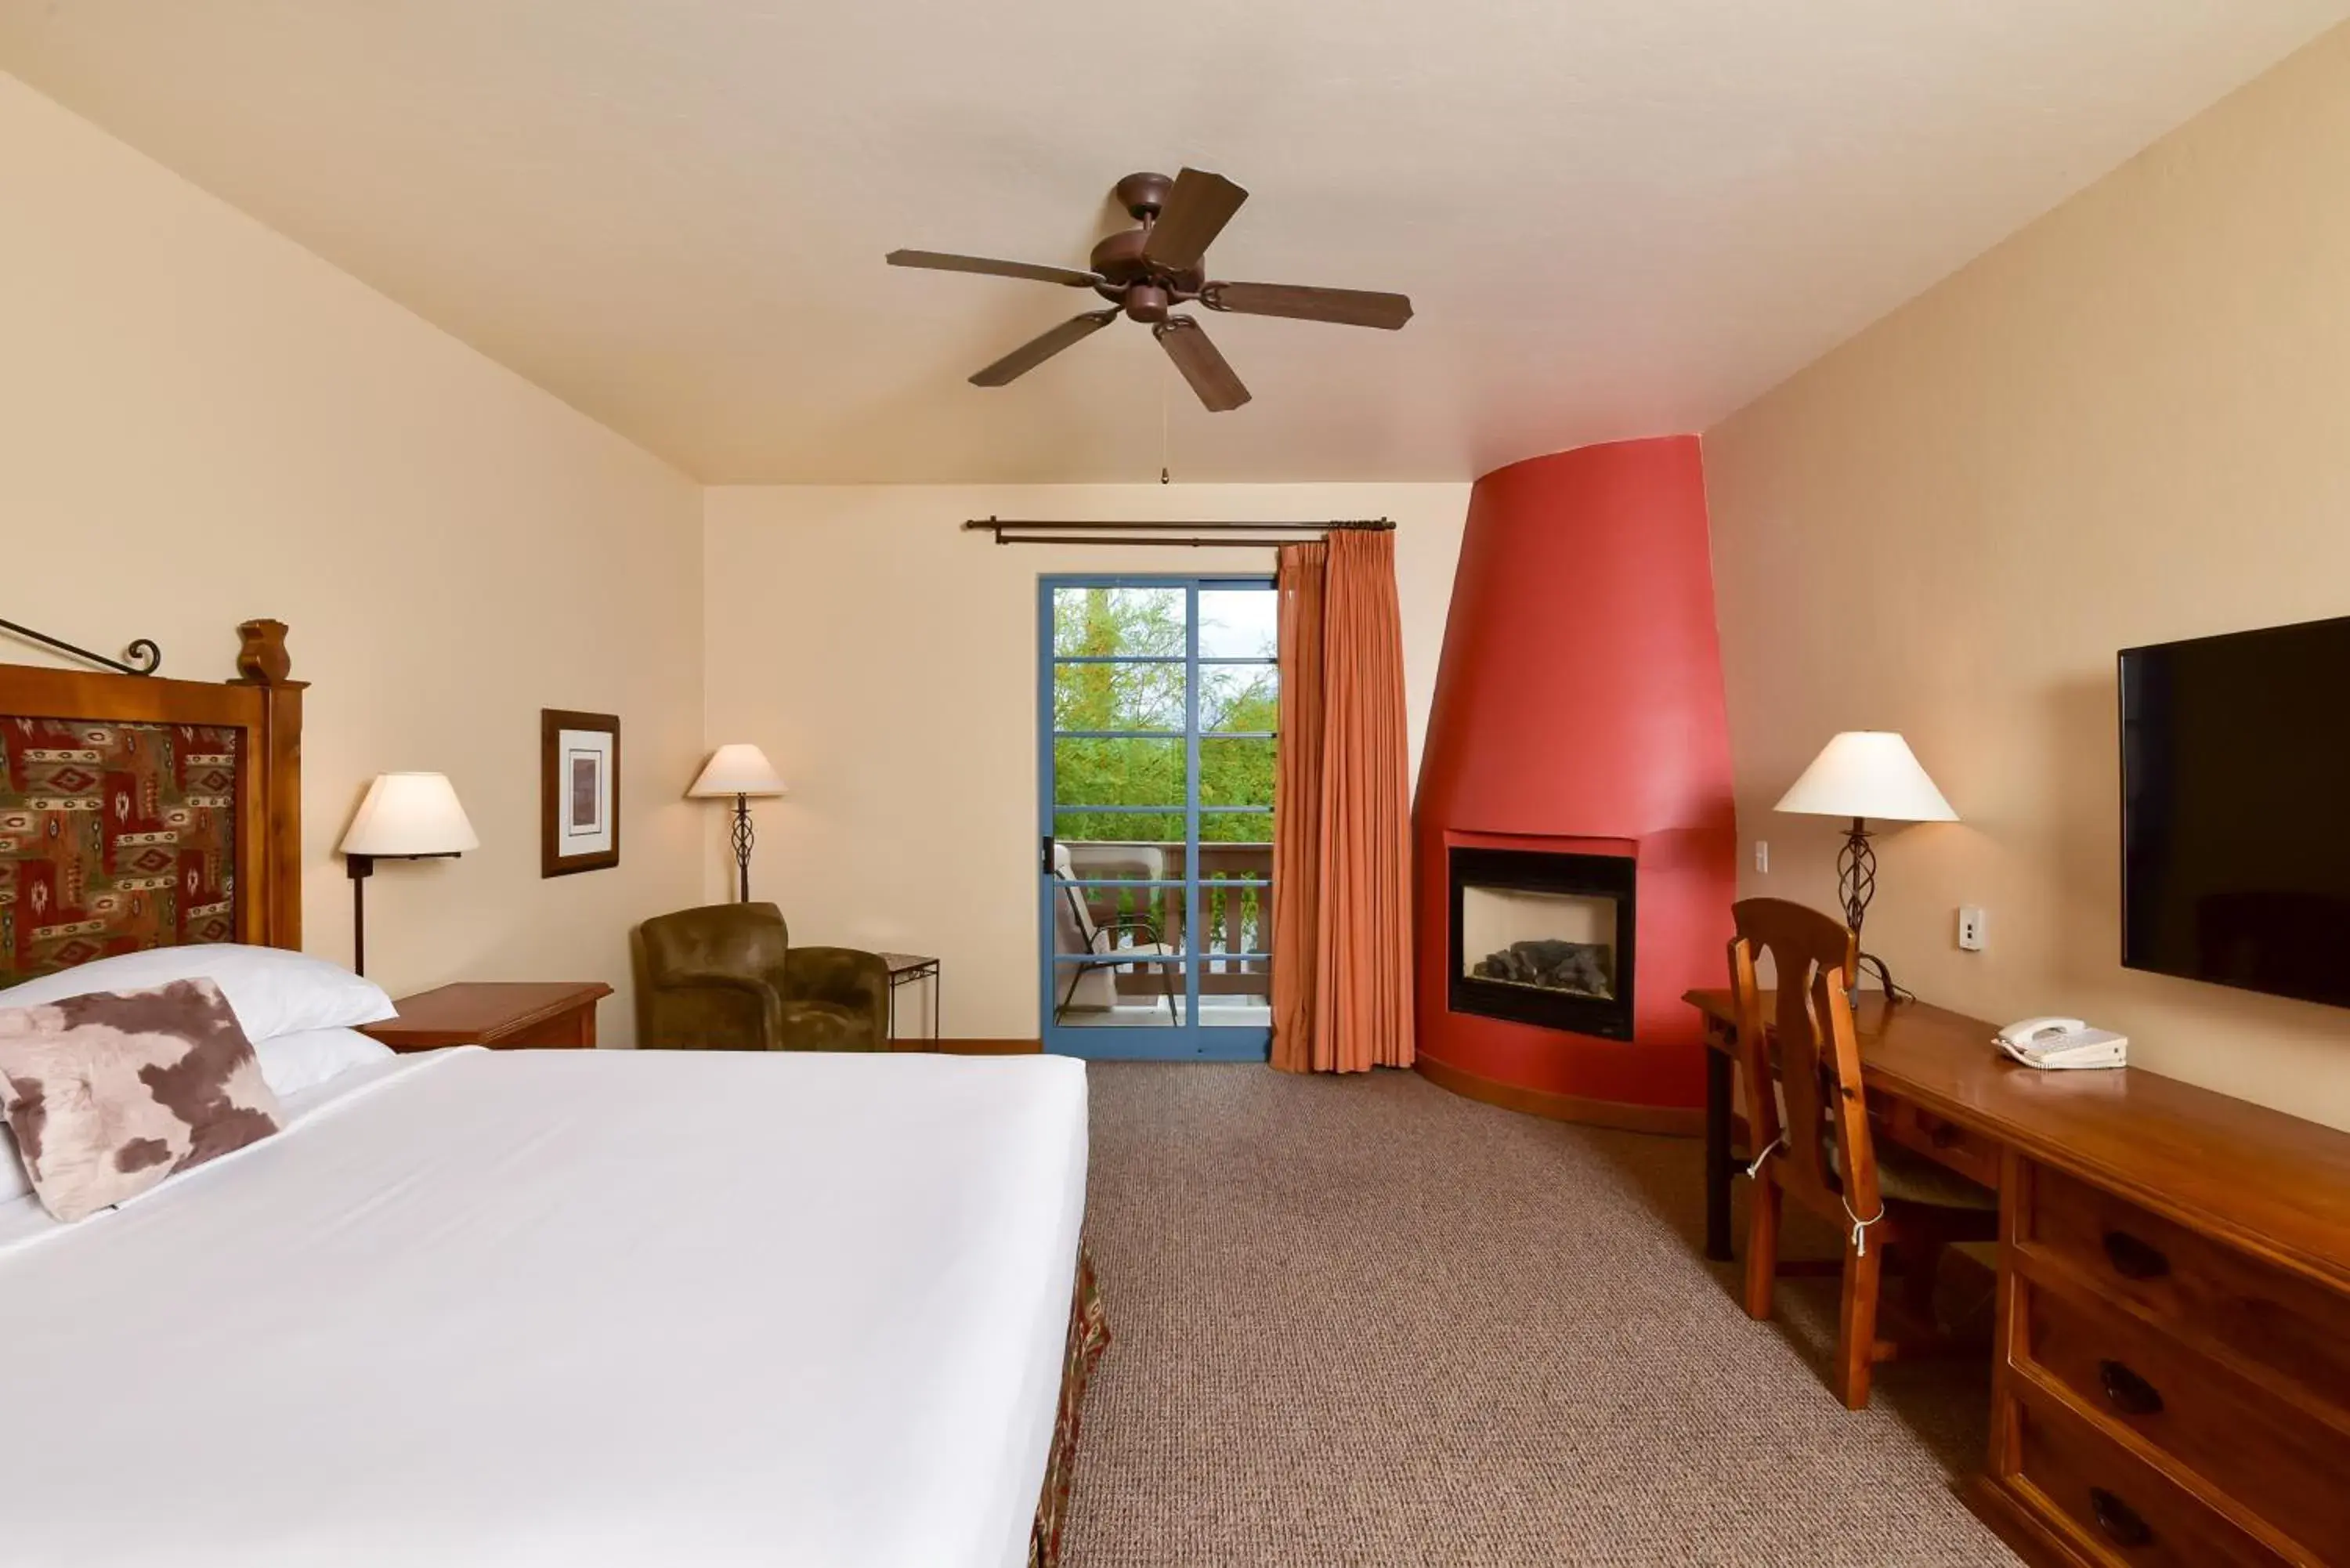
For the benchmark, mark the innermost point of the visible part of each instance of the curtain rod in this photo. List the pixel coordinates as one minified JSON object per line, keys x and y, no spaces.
{"x":1027,"y":531}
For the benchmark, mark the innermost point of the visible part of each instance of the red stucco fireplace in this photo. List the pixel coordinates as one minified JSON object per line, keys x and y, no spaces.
{"x":1579,"y":713}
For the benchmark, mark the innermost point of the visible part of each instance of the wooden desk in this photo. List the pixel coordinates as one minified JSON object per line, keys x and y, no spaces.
{"x":2173,"y":1374}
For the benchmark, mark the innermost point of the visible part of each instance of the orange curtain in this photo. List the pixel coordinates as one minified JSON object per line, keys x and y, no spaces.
{"x":1341,"y":813}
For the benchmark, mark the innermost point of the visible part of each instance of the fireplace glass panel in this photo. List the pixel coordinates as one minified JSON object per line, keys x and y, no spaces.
{"x":1541,"y":941}
{"x":1545,"y":937}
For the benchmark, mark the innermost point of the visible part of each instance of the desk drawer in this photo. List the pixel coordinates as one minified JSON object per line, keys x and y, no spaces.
{"x":2126,"y":1510}
{"x":2207,"y":1290}
{"x":2235,"y":1434}
{"x":1942,"y":1141}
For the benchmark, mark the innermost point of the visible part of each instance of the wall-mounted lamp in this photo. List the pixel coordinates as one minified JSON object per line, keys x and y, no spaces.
{"x":742,"y":770}
{"x":405,"y":816}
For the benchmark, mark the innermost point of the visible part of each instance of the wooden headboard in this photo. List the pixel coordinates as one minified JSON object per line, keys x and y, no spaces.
{"x":139,"y":812}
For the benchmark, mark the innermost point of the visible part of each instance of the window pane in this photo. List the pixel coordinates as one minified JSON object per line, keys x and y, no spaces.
{"x":1119,"y":996}
{"x":1119,"y":773}
{"x":1235,"y":827}
{"x":1238,"y":623}
{"x":1117,"y":697}
{"x":1105,"y":622}
{"x":1235,"y":921}
{"x":1240,"y":697}
{"x":1080,"y":828}
{"x":1120,"y":846}
{"x":1235,"y":772}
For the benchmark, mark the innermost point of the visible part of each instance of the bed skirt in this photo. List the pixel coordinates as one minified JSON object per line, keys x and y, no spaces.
{"x":1089,"y":1337}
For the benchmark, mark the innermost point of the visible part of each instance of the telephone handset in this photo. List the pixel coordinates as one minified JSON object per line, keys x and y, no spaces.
{"x":2063,"y":1042}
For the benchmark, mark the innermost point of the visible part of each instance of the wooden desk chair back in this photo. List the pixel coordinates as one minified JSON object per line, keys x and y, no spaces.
{"x":1818,"y":1056}
{"x":1818,"y":1148}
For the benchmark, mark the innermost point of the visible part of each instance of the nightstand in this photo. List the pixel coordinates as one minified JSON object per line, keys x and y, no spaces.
{"x":506,"y":1015}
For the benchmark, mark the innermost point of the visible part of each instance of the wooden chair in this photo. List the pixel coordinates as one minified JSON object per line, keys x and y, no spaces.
{"x":1819,"y":1152}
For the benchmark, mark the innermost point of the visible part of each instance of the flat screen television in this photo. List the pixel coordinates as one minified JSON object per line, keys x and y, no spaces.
{"x":2236,"y":810}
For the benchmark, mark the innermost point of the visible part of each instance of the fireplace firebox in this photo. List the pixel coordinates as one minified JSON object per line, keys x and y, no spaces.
{"x":1543,"y":938}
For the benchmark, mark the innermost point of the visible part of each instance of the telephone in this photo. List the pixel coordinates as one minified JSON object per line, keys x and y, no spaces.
{"x":2063,"y":1042}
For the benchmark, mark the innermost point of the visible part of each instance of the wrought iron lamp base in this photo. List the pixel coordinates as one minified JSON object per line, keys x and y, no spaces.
{"x":1856,"y":885}
{"x":743,"y":838}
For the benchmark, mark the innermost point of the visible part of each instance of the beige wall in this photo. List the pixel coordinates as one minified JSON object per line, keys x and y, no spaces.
{"x":886,"y":662}
{"x":206,"y":423}
{"x":2127,"y":424}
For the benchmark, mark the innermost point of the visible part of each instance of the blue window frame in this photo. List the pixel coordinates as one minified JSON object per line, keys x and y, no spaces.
{"x":1185,"y":892}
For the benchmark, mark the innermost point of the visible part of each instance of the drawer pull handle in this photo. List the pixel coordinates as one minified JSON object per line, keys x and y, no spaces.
{"x":2133,"y":1258}
{"x":2130,"y":1394}
{"x":2118,"y":1520}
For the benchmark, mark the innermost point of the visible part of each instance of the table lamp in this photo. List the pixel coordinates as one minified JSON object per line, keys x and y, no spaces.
{"x":1865,"y":774}
{"x":741,"y":770}
{"x":405,"y":816}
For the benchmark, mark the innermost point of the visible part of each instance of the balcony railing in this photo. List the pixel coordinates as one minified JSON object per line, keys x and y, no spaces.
{"x":1235,"y":921}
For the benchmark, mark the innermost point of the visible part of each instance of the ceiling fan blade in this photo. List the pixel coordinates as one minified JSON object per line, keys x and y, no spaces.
{"x":1345,"y":306}
{"x":1201,"y":364}
{"x":1037,"y":350}
{"x":1197,"y":209}
{"x":940,"y":261}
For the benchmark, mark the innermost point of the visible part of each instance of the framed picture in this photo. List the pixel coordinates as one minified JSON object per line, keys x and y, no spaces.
{"x":578,"y":791}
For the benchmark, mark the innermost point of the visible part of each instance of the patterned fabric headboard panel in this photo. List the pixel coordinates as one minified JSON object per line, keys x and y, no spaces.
{"x":113,"y":836}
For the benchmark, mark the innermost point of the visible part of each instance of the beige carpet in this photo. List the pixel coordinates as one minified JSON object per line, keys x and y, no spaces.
{"x":1363,"y":1322}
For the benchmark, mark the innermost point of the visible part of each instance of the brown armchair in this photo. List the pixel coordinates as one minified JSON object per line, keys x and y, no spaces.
{"x":726,"y":977}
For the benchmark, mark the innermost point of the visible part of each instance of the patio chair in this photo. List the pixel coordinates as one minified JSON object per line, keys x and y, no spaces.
{"x":1077,"y":931}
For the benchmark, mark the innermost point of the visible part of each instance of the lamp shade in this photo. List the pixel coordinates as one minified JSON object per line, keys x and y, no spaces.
{"x":739,"y":769}
{"x":410,"y":814}
{"x":1867,"y":773}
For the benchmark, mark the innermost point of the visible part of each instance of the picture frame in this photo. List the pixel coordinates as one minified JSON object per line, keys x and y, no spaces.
{"x":578,"y":791}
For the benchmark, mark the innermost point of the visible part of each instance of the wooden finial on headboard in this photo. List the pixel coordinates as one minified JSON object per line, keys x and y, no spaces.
{"x":263,"y":661}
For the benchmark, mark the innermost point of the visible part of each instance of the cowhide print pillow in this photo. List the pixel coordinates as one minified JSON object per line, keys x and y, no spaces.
{"x":109,"y":1094}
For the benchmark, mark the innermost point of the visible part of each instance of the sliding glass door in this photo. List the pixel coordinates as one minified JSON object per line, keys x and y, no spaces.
{"x":1158,"y":705}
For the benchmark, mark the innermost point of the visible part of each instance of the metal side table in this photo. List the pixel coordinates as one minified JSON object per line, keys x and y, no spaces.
{"x":906,"y":968}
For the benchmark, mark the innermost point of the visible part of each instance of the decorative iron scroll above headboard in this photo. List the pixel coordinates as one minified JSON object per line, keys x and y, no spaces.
{"x":144,"y":657}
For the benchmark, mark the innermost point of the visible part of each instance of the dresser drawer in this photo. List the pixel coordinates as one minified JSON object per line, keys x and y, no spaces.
{"x":2283,"y":1465}
{"x":2124,"y":1510}
{"x":2207,"y":1290}
{"x":1942,"y":1141}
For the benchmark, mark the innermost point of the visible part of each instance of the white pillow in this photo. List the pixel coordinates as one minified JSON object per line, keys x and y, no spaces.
{"x":293,"y":1063}
{"x":16,"y":1181}
{"x":271,"y":990}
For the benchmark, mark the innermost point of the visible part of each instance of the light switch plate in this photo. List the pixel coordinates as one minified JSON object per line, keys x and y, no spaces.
{"x":1763,"y":855}
{"x":1970,"y":927}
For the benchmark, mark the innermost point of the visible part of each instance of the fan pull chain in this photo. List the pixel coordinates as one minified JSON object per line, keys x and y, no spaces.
{"x":1164,"y":478}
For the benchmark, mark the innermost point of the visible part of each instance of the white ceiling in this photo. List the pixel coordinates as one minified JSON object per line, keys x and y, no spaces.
{"x":1616,"y":217}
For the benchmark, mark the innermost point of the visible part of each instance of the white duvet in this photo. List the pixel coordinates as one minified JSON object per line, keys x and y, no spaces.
{"x":563,"y":1310}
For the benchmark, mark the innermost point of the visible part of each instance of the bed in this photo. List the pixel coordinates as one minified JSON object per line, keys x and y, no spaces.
{"x":517,"y":1308}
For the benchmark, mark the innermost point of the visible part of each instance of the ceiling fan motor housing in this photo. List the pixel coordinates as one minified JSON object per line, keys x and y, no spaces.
{"x":1145,"y":290}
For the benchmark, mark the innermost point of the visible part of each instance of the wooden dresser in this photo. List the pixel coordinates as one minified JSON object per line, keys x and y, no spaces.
{"x":2172,"y":1390}
{"x":2173,"y":1379}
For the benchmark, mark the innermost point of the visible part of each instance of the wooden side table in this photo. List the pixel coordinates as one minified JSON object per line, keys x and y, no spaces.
{"x":505,"y":1015}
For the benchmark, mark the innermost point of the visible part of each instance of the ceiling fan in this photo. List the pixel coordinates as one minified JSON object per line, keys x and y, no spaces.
{"x":1145,"y":272}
